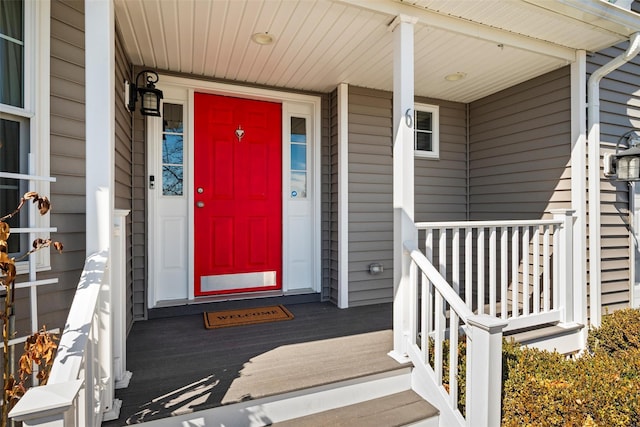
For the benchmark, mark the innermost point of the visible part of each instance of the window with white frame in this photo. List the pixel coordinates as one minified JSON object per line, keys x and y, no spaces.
{"x":24,"y":111}
{"x":426,"y":138}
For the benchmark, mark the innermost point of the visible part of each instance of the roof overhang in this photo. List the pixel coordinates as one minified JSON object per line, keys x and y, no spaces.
{"x":318,"y":44}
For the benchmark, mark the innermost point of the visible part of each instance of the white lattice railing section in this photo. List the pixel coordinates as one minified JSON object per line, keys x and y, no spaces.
{"x":437,"y":314}
{"x":33,"y":231}
{"x":519,"y":271}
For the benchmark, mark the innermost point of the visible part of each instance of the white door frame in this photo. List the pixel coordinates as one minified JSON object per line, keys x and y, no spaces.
{"x":189,"y":86}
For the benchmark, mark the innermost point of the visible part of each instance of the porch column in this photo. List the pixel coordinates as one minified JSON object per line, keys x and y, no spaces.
{"x":100,"y":148}
{"x":403,"y":177}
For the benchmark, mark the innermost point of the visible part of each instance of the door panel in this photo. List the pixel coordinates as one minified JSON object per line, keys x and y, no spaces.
{"x":238,"y":195}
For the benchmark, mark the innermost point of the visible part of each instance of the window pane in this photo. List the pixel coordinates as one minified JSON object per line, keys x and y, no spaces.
{"x":423,"y":141}
{"x":172,"y":180}
{"x":423,"y":120}
{"x":298,"y":157}
{"x":11,"y":19}
{"x":10,"y":191}
{"x":172,"y":118}
{"x":172,"y":149}
{"x":11,"y":74}
{"x":298,"y":129}
{"x":298,"y":185}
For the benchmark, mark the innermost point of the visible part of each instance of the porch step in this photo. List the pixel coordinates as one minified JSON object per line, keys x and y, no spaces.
{"x":381,"y":391}
{"x":406,"y":408}
{"x":563,"y":338}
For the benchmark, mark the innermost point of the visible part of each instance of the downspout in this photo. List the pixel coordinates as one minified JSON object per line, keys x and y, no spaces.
{"x":593,"y":107}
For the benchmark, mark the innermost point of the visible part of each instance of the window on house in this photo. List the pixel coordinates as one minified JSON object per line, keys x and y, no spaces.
{"x":24,"y":110}
{"x":298,"y":147}
{"x":172,"y":150}
{"x":426,"y":131}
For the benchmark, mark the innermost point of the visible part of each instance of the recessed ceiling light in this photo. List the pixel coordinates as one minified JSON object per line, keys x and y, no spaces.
{"x":262,"y":38}
{"x":455,"y":77}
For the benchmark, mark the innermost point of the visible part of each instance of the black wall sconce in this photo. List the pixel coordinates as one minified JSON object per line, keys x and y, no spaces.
{"x":624,"y":165}
{"x":150,"y":96}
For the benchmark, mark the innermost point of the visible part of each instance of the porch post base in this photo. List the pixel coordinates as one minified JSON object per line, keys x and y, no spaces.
{"x":399,"y":357}
{"x":114,"y":412}
{"x":123,"y":381}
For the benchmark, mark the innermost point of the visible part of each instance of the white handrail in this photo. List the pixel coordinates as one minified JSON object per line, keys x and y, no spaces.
{"x":453,"y":299}
{"x":73,"y":394}
{"x":501,"y":223}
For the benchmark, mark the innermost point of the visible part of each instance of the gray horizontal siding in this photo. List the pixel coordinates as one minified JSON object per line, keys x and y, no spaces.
{"x":67,"y":161}
{"x":619,"y":113}
{"x":520,"y":143}
{"x":123,"y":189}
{"x":370,"y":195}
{"x":440,"y":186}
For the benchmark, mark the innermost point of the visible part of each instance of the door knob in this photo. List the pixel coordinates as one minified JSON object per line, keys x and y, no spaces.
{"x":200,"y":204}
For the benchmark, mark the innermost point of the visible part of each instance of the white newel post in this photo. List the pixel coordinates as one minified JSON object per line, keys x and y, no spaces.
{"x":565,"y":264}
{"x":403,"y":180}
{"x":484,"y":370}
{"x":119,"y":298}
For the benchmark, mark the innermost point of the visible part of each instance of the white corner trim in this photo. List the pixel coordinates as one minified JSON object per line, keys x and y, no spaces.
{"x":343,"y":195}
{"x":579,"y":181}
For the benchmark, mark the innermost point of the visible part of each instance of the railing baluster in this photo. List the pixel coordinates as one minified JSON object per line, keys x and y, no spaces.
{"x":480,"y":275}
{"x":546,"y":278}
{"x":515,"y":244}
{"x":536,"y":269}
{"x":525,"y":271}
{"x":413,"y":309}
{"x":468,"y":267}
{"x":492,"y":271}
{"x":428,"y":242}
{"x":504,"y":272}
{"x":438,"y":337}
{"x":425,"y":318}
{"x":442,"y":252}
{"x":455,"y":260}
{"x":453,"y":358}
{"x":556,"y":266}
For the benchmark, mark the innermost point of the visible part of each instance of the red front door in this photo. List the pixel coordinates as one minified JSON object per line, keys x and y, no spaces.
{"x":238,"y":195}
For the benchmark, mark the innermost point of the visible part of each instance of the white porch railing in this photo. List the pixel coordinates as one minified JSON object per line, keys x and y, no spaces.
{"x":436,"y":308}
{"x":74,"y":393}
{"x":519,"y":271}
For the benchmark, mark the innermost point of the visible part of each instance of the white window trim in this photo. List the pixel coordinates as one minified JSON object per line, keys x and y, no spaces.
{"x":435,"y":112}
{"x":36,"y":108}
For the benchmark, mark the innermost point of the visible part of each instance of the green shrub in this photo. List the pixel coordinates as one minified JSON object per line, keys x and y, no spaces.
{"x":541,"y":388}
{"x":601,"y":388}
{"x":620,"y":331}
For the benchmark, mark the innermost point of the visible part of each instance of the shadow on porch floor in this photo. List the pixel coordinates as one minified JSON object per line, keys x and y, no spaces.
{"x":179,"y":366}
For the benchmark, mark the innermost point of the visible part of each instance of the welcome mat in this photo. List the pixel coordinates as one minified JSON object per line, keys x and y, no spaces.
{"x":246,"y":316}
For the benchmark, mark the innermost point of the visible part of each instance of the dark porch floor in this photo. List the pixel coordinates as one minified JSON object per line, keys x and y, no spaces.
{"x":179,"y":366}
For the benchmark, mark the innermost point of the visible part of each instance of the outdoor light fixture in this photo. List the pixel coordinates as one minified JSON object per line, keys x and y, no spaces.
{"x":150,"y":96}
{"x":624,"y":165}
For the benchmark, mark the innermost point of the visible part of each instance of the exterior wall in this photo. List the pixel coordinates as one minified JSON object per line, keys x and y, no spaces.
{"x":619,"y":113}
{"x":67,"y":148}
{"x":440,"y":186}
{"x":139,"y":216}
{"x":123,"y":164}
{"x":326,"y":197}
{"x":520,"y":147}
{"x":333,"y":193}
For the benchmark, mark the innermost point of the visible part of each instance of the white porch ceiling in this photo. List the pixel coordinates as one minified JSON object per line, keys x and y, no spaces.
{"x":320,"y":43}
